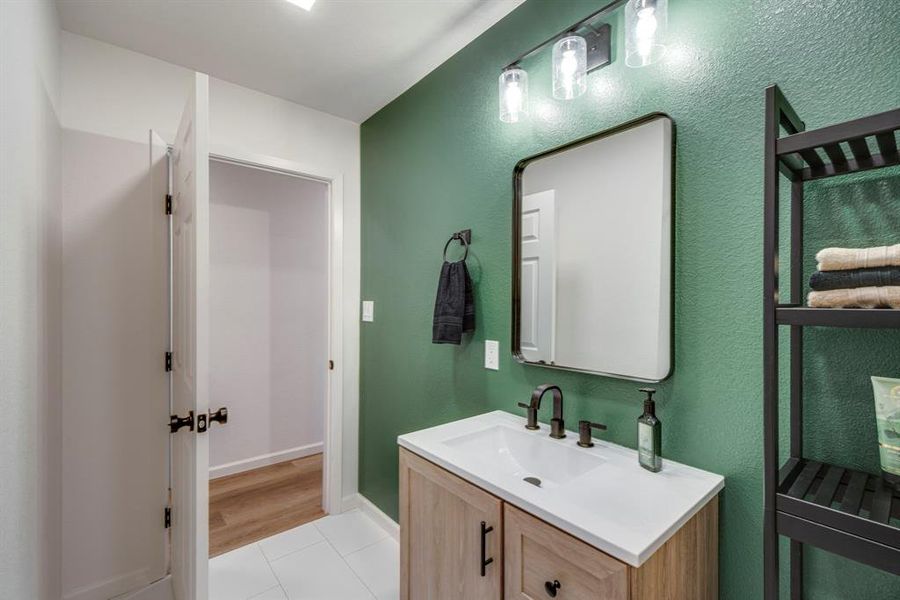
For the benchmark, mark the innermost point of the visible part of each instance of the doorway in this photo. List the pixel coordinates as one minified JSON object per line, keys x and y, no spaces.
{"x":188,"y":203}
{"x":269,"y":258}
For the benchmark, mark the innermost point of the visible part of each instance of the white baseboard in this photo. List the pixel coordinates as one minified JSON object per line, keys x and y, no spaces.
{"x":159,"y":590}
{"x":350,"y":502}
{"x":239,"y":466}
{"x":376,"y":514}
{"x":110,"y":588}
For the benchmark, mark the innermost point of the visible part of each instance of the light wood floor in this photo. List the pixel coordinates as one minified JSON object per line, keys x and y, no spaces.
{"x":247,"y":507}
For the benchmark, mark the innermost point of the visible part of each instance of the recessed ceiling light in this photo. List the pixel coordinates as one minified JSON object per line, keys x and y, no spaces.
{"x":304,"y":4}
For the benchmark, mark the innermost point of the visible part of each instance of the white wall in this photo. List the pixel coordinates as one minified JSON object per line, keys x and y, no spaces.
{"x":112,"y":92}
{"x":269,"y":316}
{"x":30,"y":301}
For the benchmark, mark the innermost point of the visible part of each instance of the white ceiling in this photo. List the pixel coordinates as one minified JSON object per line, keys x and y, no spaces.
{"x":345,"y":57}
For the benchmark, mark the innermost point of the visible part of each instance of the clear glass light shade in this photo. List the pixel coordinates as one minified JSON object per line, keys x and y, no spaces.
{"x":569,"y":67}
{"x":645,"y":31}
{"x":513,"y":95}
{"x":304,"y":4}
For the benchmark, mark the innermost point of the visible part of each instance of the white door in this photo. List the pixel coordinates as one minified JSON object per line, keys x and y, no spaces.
{"x":159,"y":187}
{"x":190,"y":345}
{"x":538,"y":298}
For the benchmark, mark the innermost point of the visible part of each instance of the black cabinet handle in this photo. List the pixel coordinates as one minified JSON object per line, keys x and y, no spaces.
{"x":485,"y":561}
{"x":552,"y":587}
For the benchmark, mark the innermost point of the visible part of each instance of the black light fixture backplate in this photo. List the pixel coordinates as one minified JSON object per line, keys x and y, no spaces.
{"x":598,"y":46}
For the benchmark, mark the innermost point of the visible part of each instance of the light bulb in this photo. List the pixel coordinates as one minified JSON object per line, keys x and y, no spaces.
{"x":569,"y":67}
{"x":514,"y":98}
{"x":645,"y":24}
{"x":513,"y":95}
{"x":645,"y":31}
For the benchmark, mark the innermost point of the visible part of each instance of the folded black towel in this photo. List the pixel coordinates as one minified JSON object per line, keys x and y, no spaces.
{"x":856,"y":278}
{"x":454,"y":307}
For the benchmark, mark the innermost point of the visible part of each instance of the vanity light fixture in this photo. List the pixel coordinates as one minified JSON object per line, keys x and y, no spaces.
{"x":569,"y":67}
{"x":645,"y":25}
{"x":513,"y":94}
{"x":304,"y":4}
{"x":584,"y":47}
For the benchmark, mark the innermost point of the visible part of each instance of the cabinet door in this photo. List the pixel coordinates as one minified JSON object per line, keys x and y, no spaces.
{"x":538,"y":557}
{"x":441,"y":537}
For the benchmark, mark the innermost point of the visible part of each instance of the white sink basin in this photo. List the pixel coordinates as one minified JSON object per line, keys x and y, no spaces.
{"x":522,"y":455}
{"x":600,"y":495}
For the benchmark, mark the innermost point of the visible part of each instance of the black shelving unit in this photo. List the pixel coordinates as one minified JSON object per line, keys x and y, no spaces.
{"x":844,"y":511}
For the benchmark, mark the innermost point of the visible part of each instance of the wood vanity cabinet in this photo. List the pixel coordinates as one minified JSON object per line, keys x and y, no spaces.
{"x":538,"y":555}
{"x":442,"y":540}
{"x":441,"y":550}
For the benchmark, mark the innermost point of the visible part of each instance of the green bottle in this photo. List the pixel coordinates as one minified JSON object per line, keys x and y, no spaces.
{"x":650,"y":435}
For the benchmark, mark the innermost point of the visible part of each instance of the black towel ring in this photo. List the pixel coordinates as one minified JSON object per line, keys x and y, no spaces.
{"x":462,"y":240}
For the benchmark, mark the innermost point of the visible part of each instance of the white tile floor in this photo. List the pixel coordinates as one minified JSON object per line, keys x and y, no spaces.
{"x":341,"y":557}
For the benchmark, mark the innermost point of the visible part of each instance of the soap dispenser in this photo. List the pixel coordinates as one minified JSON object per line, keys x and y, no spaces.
{"x":650,"y":435}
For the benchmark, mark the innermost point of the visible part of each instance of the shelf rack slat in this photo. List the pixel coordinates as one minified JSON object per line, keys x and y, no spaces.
{"x":802,"y":148}
{"x":854,"y":494}
{"x":865,"y":318}
{"x":839,"y":542}
{"x":887,"y":121}
{"x":836,"y":154}
{"x":860,"y":150}
{"x":887,"y":145}
{"x":881,"y":503}
{"x":850,"y":503}
{"x":851,"y":166}
{"x":829,"y":487}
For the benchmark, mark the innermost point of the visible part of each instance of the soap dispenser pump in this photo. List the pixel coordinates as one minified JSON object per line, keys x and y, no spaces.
{"x":650,"y":435}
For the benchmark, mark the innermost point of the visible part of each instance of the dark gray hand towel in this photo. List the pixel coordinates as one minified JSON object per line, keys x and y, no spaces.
{"x":855,"y":278}
{"x":454,"y":306}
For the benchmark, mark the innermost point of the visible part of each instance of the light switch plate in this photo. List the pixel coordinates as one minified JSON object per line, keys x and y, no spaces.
{"x":368,"y":311}
{"x":492,"y":355}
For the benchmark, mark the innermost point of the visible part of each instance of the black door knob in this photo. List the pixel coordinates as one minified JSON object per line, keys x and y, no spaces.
{"x":220,"y":416}
{"x":552,"y":587}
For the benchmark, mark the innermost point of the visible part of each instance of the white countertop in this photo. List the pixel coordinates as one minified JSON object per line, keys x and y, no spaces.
{"x":600,"y":495}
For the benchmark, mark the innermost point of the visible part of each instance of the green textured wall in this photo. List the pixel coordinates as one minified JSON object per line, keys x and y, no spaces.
{"x":438,"y":159}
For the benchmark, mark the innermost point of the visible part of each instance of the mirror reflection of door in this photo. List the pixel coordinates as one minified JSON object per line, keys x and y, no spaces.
{"x":538,"y":277}
{"x":595,"y":253}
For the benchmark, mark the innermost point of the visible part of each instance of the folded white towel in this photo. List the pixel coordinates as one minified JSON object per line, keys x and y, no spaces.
{"x":841,"y":259}
{"x":865,"y":297}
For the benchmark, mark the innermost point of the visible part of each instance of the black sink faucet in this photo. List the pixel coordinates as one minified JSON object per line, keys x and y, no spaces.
{"x":584,"y":432}
{"x":557,"y":424}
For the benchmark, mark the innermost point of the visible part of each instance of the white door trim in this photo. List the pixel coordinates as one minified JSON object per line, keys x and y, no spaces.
{"x":334,"y":402}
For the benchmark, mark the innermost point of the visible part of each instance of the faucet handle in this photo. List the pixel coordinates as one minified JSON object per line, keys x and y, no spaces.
{"x":532,"y":415}
{"x":584,"y":432}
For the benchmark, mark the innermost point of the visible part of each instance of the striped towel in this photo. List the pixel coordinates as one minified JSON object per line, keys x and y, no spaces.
{"x":854,"y":278}
{"x":865,"y":297}
{"x":840,"y":259}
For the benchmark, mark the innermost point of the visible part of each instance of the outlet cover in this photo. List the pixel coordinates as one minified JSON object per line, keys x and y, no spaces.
{"x":492,"y":355}
{"x":368,"y":311}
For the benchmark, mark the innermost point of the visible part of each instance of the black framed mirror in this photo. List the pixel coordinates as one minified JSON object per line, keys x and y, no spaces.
{"x":593,"y":253}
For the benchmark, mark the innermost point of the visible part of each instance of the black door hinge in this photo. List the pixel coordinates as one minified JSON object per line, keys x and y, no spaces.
{"x":168,"y":204}
{"x":168,"y":361}
{"x":168,"y":517}
{"x":331,"y":365}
